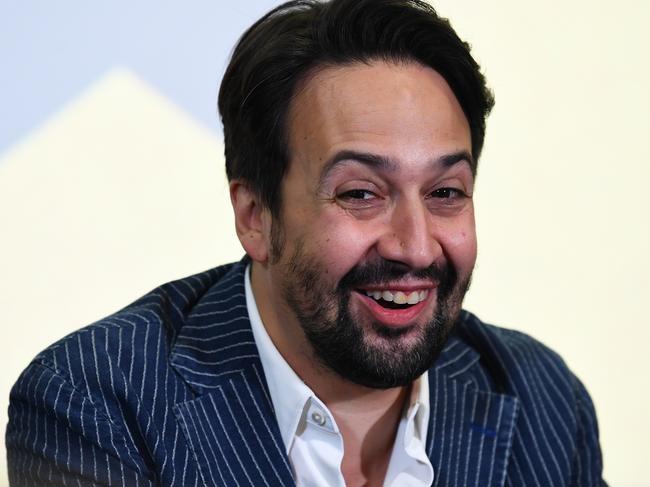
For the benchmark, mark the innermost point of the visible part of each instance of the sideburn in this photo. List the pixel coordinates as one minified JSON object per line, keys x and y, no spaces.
{"x":277,"y":241}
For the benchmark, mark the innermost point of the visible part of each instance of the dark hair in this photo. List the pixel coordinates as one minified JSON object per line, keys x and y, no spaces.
{"x":282,"y":48}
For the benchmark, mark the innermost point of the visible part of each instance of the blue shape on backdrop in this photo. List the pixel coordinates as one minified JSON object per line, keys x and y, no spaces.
{"x":51,"y":51}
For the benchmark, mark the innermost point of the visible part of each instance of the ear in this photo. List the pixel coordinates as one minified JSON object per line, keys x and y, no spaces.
{"x":252,"y":221}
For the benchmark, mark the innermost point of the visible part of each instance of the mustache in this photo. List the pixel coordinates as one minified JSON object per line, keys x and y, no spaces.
{"x":382,"y":271}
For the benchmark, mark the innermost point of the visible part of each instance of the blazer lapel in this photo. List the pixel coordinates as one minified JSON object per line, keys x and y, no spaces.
{"x":233,"y":433}
{"x":470,"y":430}
{"x":229,"y":425}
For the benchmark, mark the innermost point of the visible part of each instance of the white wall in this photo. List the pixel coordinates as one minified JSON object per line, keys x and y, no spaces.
{"x":564,"y":231}
{"x":87,"y":222}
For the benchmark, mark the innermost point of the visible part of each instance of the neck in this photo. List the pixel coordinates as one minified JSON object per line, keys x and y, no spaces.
{"x":369,"y":428}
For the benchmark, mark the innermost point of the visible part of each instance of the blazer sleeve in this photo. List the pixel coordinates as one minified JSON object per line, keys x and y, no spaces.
{"x":588,"y":461}
{"x":57,"y":435}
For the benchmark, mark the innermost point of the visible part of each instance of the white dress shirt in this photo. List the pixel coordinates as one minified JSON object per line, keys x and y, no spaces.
{"x":312,"y":439}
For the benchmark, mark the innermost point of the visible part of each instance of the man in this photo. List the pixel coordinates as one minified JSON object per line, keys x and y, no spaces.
{"x":336,"y":351}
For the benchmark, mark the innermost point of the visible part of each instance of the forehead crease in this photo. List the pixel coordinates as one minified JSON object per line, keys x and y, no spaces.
{"x":348,"y":157}
{"x":388,"y":164}
{"x":374,"y":161}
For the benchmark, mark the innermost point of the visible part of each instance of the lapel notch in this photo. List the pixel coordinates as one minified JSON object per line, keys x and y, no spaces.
{"x":470,"y":431}
{"x":229,"y":424}
{"x":233,"y":433}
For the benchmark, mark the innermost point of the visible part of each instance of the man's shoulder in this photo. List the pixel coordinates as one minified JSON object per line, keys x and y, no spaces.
{"x":110,"y":386}
{"x":505,"y":344}
{"x":517,"y":362}
{"x":145,"y":328}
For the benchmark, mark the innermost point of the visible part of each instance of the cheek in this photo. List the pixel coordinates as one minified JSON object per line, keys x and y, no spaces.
{"x":343,"y":248}
{"x":458,"y":240}
{"x":337,"y":245}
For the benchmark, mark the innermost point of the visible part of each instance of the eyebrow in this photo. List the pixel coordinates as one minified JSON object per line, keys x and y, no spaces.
{"x":387,"y":164}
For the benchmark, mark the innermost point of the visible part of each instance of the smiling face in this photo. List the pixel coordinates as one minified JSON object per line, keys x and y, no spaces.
{"x":377,"y":239}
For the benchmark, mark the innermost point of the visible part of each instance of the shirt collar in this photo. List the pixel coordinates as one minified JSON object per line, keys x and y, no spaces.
{"x":290,"y":396}
{"x":417,"y":412}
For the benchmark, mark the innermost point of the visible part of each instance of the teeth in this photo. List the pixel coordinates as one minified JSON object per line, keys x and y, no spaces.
{"x":399,"y":297}
{"x":413,"y":298}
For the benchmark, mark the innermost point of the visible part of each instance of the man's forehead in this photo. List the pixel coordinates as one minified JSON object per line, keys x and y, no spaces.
{"x":388,"y":109}
{"x":364,"y":81}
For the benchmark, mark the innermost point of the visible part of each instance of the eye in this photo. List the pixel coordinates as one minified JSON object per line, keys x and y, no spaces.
{"x":362,"y":202}
{"x":448,"y":200}
{"x":357,"y":194}
{"x":447,"y":193}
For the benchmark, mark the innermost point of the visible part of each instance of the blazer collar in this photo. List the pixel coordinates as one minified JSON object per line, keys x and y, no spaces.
{"x":229,"y":425}
{"x":216,"y":340}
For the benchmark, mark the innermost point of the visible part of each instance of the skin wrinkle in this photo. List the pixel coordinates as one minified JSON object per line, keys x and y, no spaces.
{"x":383,"y":164}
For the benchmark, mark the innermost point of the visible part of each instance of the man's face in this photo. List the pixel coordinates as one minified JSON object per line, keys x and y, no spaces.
{"x":377,"y":224}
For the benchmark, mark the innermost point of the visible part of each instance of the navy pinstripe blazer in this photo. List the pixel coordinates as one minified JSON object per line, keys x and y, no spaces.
{"x":170,"y":391}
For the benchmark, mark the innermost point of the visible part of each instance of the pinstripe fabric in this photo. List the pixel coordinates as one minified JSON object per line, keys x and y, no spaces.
{"x":170,"y":391}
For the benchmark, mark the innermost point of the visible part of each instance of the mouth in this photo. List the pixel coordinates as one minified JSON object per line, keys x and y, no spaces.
{"x":393,"y":299}
{"x":396,"y":307}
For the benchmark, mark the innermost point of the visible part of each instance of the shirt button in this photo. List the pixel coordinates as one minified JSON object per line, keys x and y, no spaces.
{"x":318,"y":418}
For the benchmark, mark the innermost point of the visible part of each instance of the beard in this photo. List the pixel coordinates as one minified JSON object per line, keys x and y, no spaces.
{"x":374,"y":355}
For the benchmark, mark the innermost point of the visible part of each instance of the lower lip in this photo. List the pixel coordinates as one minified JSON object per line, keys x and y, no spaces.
{"x":394,"y":317}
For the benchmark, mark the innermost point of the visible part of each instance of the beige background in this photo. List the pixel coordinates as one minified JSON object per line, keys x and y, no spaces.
{"x":121,"y":191}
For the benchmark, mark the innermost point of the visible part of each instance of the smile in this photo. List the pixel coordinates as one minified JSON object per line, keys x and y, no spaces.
{"x":398,"y":297}
{"x":396,"y":307}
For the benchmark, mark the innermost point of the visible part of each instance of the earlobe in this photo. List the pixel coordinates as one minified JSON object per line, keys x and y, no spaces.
{"x":251,"y":221}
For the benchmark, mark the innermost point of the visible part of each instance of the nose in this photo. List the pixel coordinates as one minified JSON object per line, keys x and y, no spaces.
{"x":410,"y":236}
